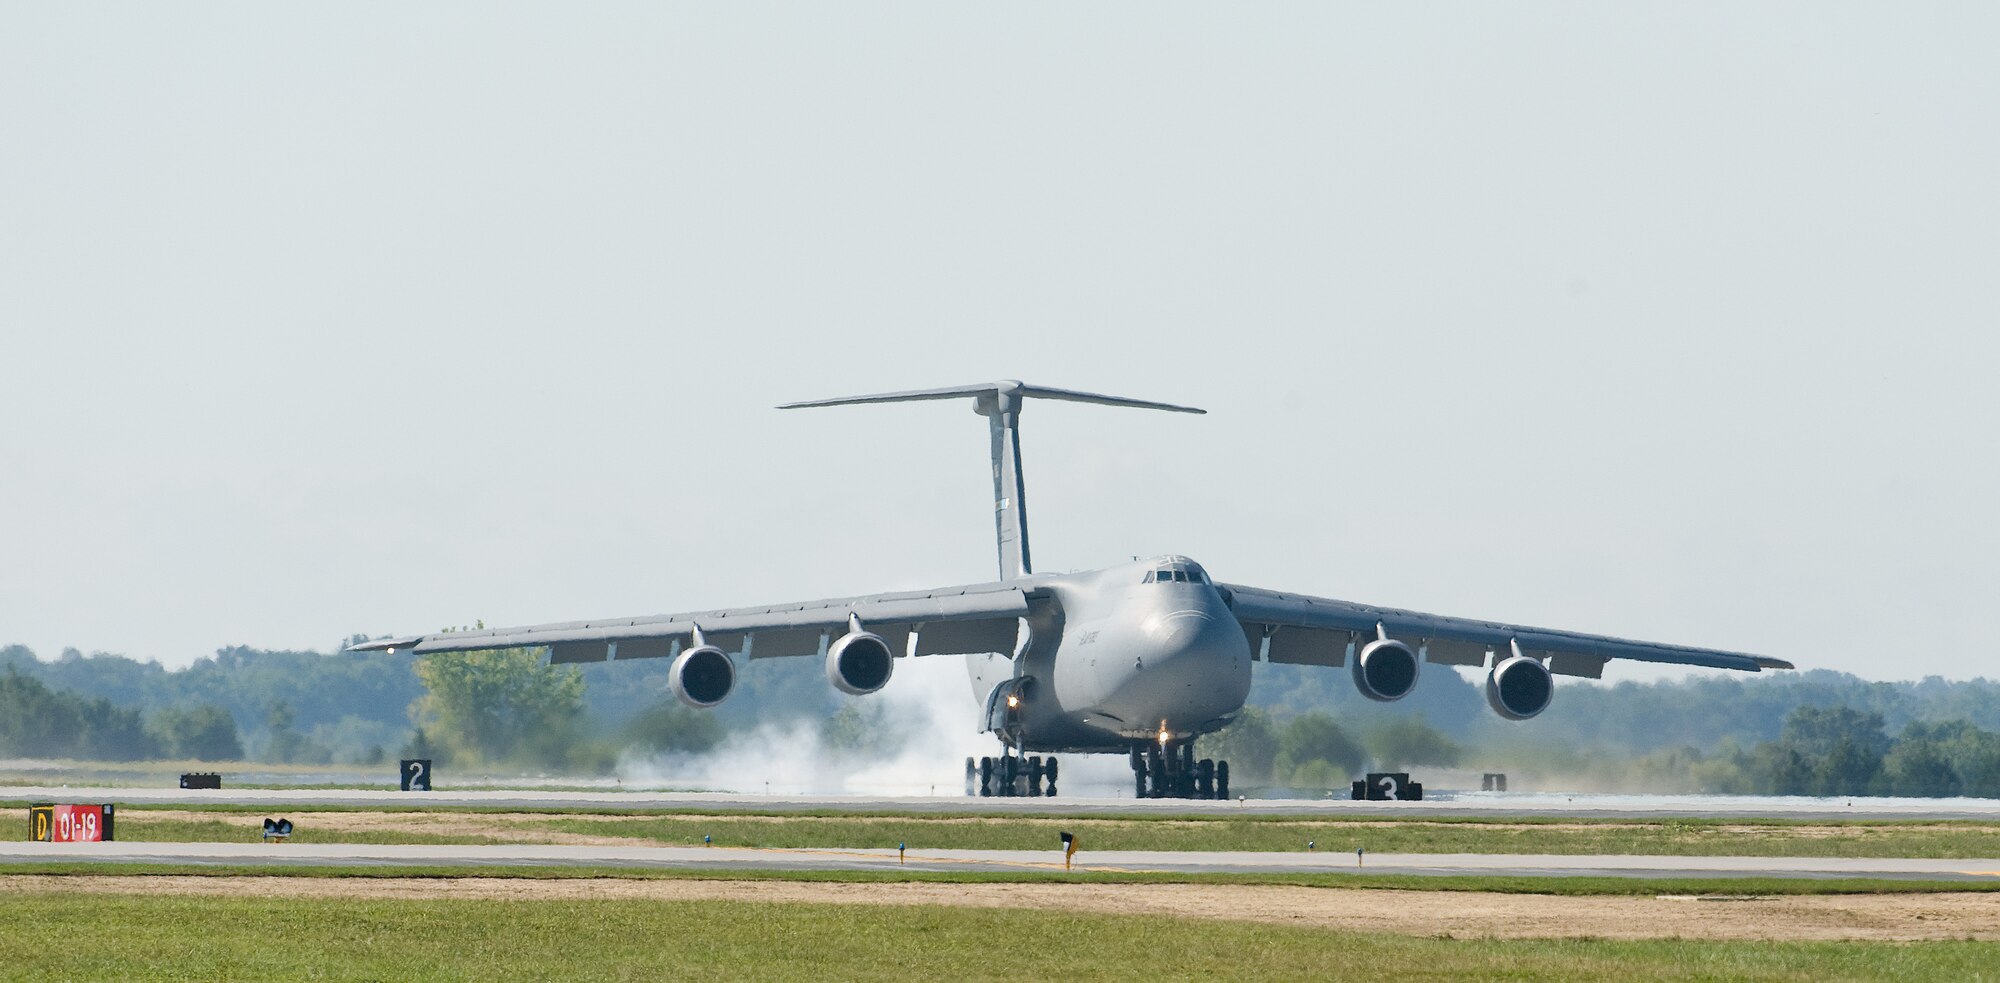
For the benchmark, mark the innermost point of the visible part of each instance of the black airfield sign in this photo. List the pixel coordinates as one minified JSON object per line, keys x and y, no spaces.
{"x":1388,"y":787}
{"x":416,"y":774}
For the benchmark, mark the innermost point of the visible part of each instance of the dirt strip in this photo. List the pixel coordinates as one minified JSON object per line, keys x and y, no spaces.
{"x":1459,"y":914}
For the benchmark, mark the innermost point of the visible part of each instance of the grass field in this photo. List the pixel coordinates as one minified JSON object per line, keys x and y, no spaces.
{"x":1675,"y":837}
{"x":1556,"y":886}
{"x":54,"y":936}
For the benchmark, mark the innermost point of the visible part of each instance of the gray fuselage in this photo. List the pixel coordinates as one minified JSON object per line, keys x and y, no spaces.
{"x":1115,"y":657}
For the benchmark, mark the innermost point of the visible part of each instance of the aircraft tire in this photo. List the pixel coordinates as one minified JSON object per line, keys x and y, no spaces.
{"x":1222,"y":779}
{"x":986,"y":776}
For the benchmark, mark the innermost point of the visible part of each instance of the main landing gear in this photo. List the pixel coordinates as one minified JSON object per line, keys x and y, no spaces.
{"x":1169,"y":771}
{"x":1010,"y":775}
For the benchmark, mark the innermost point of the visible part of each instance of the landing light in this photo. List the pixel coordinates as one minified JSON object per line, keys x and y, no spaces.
{"x":1013,"y":700}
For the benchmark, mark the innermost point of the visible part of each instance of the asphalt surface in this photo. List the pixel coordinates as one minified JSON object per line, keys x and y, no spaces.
{"x":1050,"y":861}
{"x":1465,"y":804}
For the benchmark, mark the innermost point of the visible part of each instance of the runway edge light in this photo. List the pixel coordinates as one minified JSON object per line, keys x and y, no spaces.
{"x":1069,"y":848}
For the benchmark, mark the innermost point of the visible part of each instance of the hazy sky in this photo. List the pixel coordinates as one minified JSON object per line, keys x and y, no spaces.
{"x":1674,"y":321}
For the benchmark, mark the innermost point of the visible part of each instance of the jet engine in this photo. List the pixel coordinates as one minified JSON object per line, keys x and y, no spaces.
{"x":859,"y":662}
{"x":1519,"y":687}
{"x":1385,"y":670}
{"x":702,"y":676}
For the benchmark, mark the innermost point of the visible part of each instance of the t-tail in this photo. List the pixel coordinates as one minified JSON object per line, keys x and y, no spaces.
{"x":1000,"y":403}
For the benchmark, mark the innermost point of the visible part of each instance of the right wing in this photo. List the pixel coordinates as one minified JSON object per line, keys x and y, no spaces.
{"x":1323,"y":631}
{"x":945,"y":621}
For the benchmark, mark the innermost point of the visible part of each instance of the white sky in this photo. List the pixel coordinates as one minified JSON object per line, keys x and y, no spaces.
{"x":1667,"y":320}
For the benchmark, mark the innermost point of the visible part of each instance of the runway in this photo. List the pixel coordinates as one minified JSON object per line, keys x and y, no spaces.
{"x":1049,"y":861}
{"x":1464,"y":804}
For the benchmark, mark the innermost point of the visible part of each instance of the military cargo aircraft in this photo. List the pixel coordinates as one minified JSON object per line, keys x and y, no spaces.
{"x":1140,"y":658}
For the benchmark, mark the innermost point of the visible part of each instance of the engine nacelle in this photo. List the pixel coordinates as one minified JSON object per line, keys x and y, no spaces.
{"x":1519,"y":687}
{"x":702,"y":676}
{"x":859,"y":662}
{"x":1385,"y":670}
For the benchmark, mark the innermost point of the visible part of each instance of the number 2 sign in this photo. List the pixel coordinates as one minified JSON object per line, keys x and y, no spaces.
{"x":416,"y":774}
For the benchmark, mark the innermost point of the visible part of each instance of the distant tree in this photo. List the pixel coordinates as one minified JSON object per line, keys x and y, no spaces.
{"x":1840,"y":747}
{"x":1777,"y":768}
{"x":39,"y":721}
{"x":1315,"y":738}
{"x":1943,"y":759}
{"x":1408,"y":741}
{"x":285,"y":744}
{"x":421,"y":748}
{"x":503,"y":706}
{"x":1918,"y":766}
{"x":1249,"y":744}
{"x":1848,"y":768}
{"x":204,"y":733}
{"x":670,"y":726}
{"x":1816,"y":731}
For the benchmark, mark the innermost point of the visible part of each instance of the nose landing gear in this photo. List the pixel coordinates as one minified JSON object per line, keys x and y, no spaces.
{"x":1170,"y":771}
{"x":1011,"y":775}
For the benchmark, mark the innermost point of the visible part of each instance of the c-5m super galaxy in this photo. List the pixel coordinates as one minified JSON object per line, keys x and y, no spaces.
{"x":1140,"y":658}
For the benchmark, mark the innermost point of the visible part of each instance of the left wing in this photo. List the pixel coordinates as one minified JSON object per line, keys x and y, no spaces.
{"x":1321,"y":631}
{"x":947,"y":620}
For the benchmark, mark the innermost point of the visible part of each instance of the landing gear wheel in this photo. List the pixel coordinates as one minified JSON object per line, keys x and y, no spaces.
{"x":1049,"y":767}
{"x":971,"y":776}
{"x":1204,"y":779}
{"x":1035,"y":777}
{"x":1222,"y":779}
{"x":985,"y":776}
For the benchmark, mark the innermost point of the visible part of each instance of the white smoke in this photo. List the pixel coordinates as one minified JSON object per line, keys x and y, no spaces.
{"x":931,"y":721}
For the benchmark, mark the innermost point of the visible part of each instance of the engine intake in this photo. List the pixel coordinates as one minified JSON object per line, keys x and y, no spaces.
{"x":1385,"y":670}
{"x":1519,"y":687}
{"x":702,"y":676}
{"x":859,"y":662}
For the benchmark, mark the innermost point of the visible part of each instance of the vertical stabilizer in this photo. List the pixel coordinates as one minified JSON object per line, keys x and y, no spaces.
{"x":1000,"y":403}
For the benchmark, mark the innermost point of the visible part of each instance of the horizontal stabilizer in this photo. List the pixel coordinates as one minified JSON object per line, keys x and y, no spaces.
{"x":1006,"y":387}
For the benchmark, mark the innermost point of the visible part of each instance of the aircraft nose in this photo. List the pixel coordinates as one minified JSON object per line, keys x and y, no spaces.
{"x":1182,"y":631}
{"x":1194,"y":669}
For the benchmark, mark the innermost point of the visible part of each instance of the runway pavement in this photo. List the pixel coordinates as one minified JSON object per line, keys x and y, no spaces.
{"x":1049,"y":861}
{"x":1465,"y":804}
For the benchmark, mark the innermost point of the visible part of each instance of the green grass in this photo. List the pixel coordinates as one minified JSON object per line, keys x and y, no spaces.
{"x":1671,"y":837}
{"x":57,"y":936}
{"x":1678,"y":837}
{"x":1562,"y":886}
{"x":157,"y":830}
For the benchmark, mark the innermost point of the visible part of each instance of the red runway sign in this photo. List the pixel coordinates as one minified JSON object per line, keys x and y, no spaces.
{"x":63,"y":823}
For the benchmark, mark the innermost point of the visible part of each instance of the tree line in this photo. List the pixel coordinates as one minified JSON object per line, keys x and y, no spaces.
{"x":1811,"y":733}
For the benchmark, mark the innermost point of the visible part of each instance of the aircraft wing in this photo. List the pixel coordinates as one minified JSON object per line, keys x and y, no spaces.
{"x":1321,"y":631}
{"x":949,"y":620}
